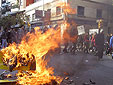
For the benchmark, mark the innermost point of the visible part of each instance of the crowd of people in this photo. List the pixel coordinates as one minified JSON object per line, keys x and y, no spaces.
{"x":94,"y":43}
{"x":10,"y":35}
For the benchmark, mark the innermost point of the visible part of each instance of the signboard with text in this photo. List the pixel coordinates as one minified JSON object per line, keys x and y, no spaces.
{"x":92,"y":31}
{"x":81,"y":30}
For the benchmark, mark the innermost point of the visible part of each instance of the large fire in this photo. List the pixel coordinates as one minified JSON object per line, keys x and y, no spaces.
{"x":34,"y":46}
{"x":66,"y":8}
{"x":32,"y":49}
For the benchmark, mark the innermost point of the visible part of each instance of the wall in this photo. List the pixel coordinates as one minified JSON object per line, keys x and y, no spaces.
{"x":90,"y":11}
{"x":103,"y":1}
{"x":28,"y":2}
{"x":90,"y":8}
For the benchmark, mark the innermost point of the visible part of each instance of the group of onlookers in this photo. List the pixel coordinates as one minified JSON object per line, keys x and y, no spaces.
{"x":10,"y":35}
{"x":93,"y":42}
{"x":88,"y":43}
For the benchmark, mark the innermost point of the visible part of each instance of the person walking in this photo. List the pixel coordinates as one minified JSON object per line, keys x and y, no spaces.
{"x":99,"y":40}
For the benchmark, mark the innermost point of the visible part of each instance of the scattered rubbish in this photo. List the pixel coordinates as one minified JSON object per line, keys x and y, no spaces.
{"x":65,"y":73}
{"x":67,"y":81}
{"x":66,"y":78}
{"x":70,"y":82}
{"x":2,"y":75}
{"x":92,"y":82}
{"x":86,"y":83}
{"x":8,"y":75}
{"x":89,"y":83}
{"x":86,"y":61}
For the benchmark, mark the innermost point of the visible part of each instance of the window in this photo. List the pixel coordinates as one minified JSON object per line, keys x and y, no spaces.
{"x":36,"y":0}
{"x":3,"y":1}
{"x":48,"y":14}
{"x":99,"y":13}
{"x":80,"y":11}
{"x":58,"y":10}
{"x":38,"y":13}
{"x":33,"y":17}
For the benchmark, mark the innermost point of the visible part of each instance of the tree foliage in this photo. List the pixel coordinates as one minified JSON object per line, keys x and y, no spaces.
{"x":12,"y":20}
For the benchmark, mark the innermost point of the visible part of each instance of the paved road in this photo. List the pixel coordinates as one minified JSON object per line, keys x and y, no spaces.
{"x":83,"y":67}
{"x":101,"y":72}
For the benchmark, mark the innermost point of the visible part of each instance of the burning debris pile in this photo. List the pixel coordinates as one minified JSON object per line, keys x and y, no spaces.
{"x":32,"y":49}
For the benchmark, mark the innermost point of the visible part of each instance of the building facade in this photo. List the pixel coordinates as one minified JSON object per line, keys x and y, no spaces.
{"x":88,"y":12}
{"x":9,"y":6}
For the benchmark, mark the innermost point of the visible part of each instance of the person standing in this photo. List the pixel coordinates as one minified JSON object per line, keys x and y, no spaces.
{"x":99,"y":40}
{"x":111,"y":45}
{"x":4,"y":38}
{"x":73,"y":35}
{"x":86,"y":42}
{"x":20,"y":33}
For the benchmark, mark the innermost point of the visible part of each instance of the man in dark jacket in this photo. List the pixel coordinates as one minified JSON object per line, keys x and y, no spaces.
{"x":99,"y":40}
{"x":4,"y":38}
{"x":86,"y":42}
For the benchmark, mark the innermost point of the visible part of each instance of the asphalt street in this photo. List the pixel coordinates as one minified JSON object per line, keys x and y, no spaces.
{"x":92,"y":70}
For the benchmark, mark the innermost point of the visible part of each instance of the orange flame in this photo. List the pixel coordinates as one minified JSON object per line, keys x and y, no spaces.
{"x":34,"y":45}
{"x":66,"y":8}
{"x":33,"y":48}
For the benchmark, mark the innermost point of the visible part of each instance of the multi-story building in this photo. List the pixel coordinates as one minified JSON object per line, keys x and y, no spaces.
{"x":9,"y":7}
{"x":34,"y":9}
{"x":4,"y":6}
{"x":88,"y":12}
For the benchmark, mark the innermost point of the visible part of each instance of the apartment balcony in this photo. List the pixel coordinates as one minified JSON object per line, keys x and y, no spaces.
{"x":15,"y":10}
{"x":37,"y":4}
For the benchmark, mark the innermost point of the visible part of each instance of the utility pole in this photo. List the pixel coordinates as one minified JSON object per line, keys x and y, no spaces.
{"x":43,"y":15}
{"x":63,"y":26}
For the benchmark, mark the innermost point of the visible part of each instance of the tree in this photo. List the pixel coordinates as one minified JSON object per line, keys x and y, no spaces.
{"x":14,"y":19}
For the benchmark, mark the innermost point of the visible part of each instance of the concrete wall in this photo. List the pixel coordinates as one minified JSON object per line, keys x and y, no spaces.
{"x":90,"y":10}
{"x":103,"y":1}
